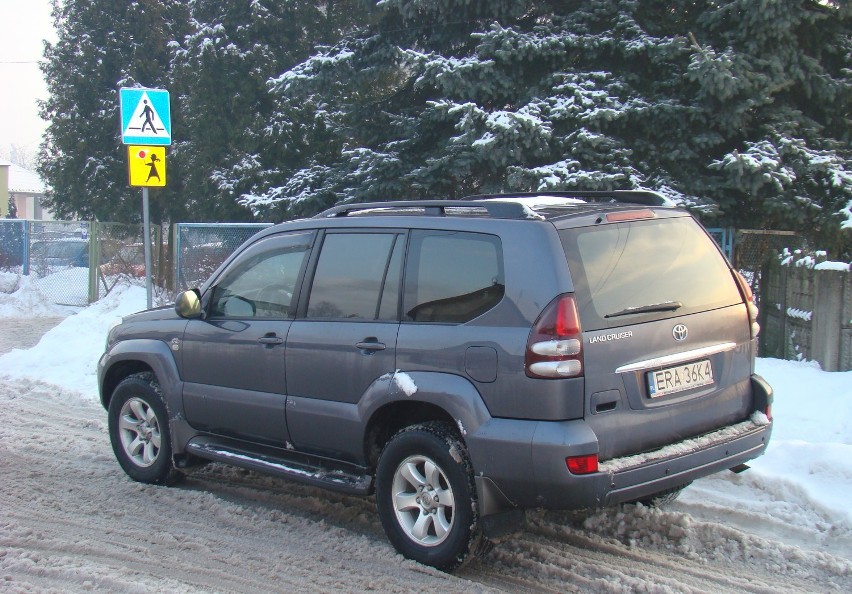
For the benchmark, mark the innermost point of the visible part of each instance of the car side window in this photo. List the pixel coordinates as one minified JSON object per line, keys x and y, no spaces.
{"x":452,"y":277}
{"x":352,"y":273}
{"x":262,"y":285}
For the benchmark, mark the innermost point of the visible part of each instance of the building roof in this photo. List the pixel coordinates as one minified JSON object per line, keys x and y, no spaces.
{"x":23,"y":181}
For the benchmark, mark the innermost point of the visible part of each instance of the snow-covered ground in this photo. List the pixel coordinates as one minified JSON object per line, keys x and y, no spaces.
{"x":70,"y":520}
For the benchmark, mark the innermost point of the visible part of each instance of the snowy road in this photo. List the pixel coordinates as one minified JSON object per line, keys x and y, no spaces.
{"x":70,"y":520}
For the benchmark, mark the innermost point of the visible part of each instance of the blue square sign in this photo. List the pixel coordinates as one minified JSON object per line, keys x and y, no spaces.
{"x":146,"y":118}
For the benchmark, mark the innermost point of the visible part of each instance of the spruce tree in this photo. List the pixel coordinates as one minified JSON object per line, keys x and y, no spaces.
{"x":738,"y":109}
{"x":238,"y":139}
{"x":102,"y":45}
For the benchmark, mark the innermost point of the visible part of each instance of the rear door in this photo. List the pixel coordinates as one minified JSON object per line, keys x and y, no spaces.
{"x":667,"y":351}
{"x":344,"y":338}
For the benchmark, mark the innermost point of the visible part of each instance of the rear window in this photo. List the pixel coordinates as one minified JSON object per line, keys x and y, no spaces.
{"x":627,"y":273}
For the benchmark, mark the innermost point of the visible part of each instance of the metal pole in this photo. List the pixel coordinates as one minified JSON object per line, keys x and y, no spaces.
{"x":26,"y":240}
{"x":147,"y":232}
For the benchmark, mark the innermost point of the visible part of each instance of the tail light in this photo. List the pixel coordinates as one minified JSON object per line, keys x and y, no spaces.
{"x":745,"y":289}
{"x":582,"y":464}
{"x":555,"y":345}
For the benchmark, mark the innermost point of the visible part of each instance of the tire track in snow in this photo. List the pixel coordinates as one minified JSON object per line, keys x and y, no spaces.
{"x":72,"y":521}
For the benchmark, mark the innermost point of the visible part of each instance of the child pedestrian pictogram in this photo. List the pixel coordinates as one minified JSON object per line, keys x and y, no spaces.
{"x":147,"y":165}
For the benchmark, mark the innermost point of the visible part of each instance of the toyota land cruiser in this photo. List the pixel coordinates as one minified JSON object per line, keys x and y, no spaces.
{"x":460,"y":360}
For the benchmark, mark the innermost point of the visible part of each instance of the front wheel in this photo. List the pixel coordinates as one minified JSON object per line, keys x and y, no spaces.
{"x":426,"y":497}
{"x":139,"y":430}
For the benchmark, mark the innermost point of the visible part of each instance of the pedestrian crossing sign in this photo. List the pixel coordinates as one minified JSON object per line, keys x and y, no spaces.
{"x":145,"y":116}
{"x":146,"y":166}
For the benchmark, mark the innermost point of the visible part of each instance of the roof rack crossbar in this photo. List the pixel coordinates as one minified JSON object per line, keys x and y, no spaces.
{"x":495,"y":209}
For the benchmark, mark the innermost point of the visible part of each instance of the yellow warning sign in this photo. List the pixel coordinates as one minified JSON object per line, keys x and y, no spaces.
{"x":146,"y":165}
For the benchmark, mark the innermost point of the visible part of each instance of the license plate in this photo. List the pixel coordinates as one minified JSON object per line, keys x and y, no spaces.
{"x":679,"y":378}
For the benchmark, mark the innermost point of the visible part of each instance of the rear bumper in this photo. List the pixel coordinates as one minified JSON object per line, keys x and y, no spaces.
{"x":544,"y":480}
{"x":521,"y":464}
{"x":629,"y":480}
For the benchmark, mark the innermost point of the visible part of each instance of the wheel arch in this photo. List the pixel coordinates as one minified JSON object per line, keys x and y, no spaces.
{"x":139,"y":356}
{"x":395,"y":416}
{"x":419,"y":397}
{"x":118,"y":372}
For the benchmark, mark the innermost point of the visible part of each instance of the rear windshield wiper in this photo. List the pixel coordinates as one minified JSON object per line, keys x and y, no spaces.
{"x":640,"y":309}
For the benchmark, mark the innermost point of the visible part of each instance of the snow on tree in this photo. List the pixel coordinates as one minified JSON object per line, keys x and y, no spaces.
{"x":737,"y":106}
{"x":102,"y":45}
{"x":219,"y":75}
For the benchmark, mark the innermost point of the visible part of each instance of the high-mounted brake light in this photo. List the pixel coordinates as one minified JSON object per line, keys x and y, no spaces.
{"x":582,"y":464}
{"x":747,"y":294}
{"x":555,"y":345}
{"x":630,"y":215}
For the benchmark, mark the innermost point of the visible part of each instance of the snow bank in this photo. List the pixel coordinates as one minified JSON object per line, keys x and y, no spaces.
{"x":68,"y":354}
{"x":799,"y":489}
{"x":28,"y":299}
{"x":811,"y":447}
{"x":9,"y":281}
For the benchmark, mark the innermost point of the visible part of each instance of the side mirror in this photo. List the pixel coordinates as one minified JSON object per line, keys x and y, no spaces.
{"x":188,"y":304}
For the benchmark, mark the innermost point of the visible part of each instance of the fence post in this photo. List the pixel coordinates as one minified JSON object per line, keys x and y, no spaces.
{"x":763,"y":311}
{"x":784,"y":271}
{"x":26,"y":241}
{"x":828,"y":309}
{"x":176,"y":255}
{"x":94,"y":260}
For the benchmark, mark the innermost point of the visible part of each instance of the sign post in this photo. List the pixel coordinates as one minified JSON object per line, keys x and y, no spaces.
{"x":146,"y":126}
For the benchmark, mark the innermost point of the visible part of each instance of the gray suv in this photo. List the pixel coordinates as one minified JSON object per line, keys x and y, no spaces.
{"x":460,"y":360}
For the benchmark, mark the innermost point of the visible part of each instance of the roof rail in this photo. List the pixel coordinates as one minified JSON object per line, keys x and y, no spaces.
{"x":643,"y":197}
{"x":495,"y":209}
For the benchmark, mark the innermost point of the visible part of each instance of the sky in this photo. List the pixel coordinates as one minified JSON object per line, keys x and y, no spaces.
{"x":23,"y":27}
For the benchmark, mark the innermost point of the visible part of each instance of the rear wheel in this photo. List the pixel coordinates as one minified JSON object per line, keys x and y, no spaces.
{"x":426,"y":497}
{"x":139,"y":430}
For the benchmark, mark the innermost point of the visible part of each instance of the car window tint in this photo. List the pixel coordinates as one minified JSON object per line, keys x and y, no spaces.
{"x":628,"y":265}
{"x":350,"y":274}
{"x":452,"y":277}
{"x":262,"y":285}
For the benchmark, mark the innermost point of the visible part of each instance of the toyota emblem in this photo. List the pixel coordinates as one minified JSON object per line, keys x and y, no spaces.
{"x":680,"y":332}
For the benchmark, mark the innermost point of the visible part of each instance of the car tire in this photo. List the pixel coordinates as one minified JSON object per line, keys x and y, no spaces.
{"x":426,"y":497}
{"x":139,"y":430}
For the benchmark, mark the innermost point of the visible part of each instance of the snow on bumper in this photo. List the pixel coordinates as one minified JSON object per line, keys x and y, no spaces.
{"x":638,"y":476}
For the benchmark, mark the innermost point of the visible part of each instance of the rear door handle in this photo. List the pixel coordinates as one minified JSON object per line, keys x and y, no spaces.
{"x":270,"y":339}
{"x":370,"y":344}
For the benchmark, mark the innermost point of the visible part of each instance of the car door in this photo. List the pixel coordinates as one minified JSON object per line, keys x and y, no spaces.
{"x":344,"y":338}
{"x":234,"y":359}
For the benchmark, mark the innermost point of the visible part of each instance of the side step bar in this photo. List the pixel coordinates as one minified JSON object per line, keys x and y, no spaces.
{"x":296,"y":467}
